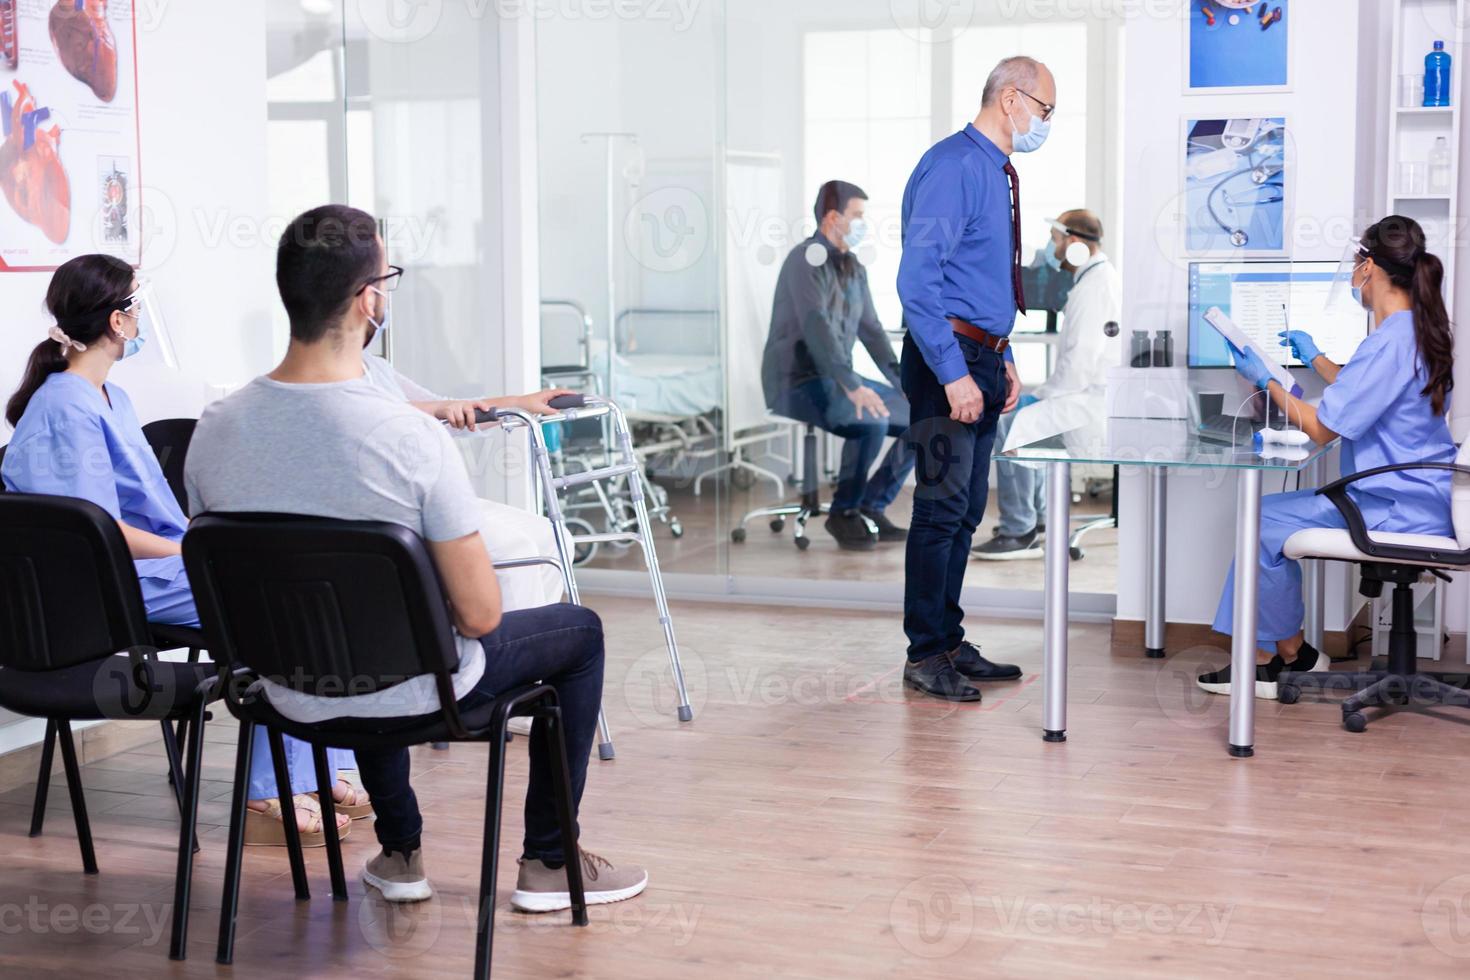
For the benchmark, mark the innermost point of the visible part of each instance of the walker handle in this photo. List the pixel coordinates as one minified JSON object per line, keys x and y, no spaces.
{"x":493,"y":415}
{"x":568,"y":401}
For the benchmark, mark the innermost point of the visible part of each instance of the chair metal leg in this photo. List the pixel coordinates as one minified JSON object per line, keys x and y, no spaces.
{"x":235,"y":850}
{"x":490,"y":848}
{"x":324,"y":786}
{"x":175,"y":766}
{"x":565,"y":814}
{"x":288,"y":815}
{"x":183,"y":877}
{"x":78,"y":802}
{"x":605,"y":751}
{"x":43,"y":778}
{"x":180,"y":738}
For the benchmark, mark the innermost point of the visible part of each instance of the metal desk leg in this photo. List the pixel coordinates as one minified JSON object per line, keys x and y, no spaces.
{"x":1058,"y":566}
{"x":1158,"y":516}
{"x":1314,"y":576}
{"x":1243,"y":643}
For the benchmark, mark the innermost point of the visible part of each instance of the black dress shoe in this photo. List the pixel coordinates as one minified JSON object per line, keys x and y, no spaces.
{"x":852,"y":531}
{"x":887,"y":530}
{"x":967,"y":660}
{"x":936,"y":677}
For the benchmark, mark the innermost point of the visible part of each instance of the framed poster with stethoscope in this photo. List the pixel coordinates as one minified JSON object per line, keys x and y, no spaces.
{"x":1237,"y":186}
{"x":1237,"y":46}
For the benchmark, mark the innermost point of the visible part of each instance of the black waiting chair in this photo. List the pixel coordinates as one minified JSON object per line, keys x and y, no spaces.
{"x":69,"y":605}
{"x":169,"y":440}
{"x":1400,"y":560}
{"x":314,"y":603}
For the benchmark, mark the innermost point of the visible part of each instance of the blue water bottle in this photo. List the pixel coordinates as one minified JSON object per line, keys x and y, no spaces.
{"x":1437,"y":76}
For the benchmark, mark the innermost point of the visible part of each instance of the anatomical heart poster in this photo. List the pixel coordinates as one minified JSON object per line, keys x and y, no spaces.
{"x":69,"y":116}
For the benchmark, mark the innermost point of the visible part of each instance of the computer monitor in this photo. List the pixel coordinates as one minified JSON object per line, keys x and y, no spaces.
{"x":1253,"y":293}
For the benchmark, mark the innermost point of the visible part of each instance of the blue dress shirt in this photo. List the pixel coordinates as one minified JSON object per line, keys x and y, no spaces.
{"x":958,"y":248}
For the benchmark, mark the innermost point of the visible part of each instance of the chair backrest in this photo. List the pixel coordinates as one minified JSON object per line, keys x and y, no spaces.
{"x":68,"y":588}
{"x":326,"y":607}
{"x":169,"y":439}
{"x":1460,"y":498}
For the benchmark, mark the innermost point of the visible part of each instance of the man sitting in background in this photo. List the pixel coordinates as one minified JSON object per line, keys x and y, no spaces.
{"x":1074,"y":394}
{"x":317,"y":437}
{"x":823,"y":307}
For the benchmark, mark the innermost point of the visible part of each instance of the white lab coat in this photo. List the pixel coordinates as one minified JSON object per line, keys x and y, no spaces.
{"x":1073,"y":399}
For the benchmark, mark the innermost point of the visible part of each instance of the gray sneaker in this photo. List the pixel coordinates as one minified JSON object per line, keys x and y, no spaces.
{"x":399,"y":878}
{"x":540,"y":889}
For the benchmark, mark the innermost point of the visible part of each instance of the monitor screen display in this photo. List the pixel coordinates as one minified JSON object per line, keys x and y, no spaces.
{"x":1262,"y":298}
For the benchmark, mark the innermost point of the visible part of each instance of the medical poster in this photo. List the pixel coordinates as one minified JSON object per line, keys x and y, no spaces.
{"x":1238,"y":46}
{"x":69,"y":117}
{"x":1236,"y":186}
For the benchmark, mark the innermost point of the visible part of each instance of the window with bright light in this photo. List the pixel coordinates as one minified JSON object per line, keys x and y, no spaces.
{"x":868,"y":119}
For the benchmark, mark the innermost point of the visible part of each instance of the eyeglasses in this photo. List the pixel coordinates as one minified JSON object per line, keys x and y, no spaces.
{"x":1046,"y":108}
{"x":386,"y":283}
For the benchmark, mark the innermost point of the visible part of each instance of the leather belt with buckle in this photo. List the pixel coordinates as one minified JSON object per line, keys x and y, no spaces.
{"x":990,"y":340}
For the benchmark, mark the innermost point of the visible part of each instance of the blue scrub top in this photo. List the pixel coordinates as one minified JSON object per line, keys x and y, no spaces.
{"x":1377,"y":406}
{"x":70,"y":442}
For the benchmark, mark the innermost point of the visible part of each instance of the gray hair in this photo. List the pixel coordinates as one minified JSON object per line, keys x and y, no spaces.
{"x":1019,"y":72}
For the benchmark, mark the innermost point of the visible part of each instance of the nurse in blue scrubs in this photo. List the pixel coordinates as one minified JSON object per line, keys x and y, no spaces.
{"x":76,"y":435}
{"x":1389,"y":403}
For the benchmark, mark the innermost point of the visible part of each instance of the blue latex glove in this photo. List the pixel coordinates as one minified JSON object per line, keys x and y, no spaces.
{"x":1302,"y":345}
{"x":1251,"y":367}
{"x":1026,"y":400}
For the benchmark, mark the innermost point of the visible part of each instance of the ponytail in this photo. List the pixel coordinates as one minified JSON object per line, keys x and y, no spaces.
{"x":1396,"y":245}
{"x":1432,"y":330}
{"x":46,"y":360}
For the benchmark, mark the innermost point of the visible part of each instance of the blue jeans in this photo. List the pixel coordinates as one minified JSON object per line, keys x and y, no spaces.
{"x":1020,"y":489}
{"x":953,"y":471}
{"x":560,"y":644}
{"x":823,"y":403}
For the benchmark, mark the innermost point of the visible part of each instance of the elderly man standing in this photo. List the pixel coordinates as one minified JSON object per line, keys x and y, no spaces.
{"x":960,"y":283}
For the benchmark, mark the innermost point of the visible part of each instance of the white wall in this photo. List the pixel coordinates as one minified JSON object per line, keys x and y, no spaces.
{"x":1323,"y":115}
{"x":202,"y":117}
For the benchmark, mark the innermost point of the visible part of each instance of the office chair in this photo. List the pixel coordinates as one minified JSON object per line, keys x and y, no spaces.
{"x":310,"y":601}
{"x":1388,"y":558}
{"x":809,"y":506}
{"x":71,"y":602}
{"x":1085,"y":524}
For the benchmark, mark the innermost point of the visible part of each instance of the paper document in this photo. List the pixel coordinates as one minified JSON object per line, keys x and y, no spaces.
{"x":1216,"y":318}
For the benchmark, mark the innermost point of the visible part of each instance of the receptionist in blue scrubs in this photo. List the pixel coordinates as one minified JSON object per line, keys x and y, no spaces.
{"x":1389,"y":404}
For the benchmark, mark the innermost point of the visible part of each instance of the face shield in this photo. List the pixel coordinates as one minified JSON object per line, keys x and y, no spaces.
{"x":143,"y":304}
{"x":1340,"y":295}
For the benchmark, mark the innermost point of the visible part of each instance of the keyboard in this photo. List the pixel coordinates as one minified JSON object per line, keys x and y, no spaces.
{"x":1228,"y":428}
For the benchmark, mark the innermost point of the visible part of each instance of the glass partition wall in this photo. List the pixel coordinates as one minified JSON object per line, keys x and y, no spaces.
{"x":678,"y":154}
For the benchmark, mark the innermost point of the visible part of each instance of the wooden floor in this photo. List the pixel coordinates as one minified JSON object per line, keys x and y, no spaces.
{"x":706,"y":548}
{"x":817,"y":821}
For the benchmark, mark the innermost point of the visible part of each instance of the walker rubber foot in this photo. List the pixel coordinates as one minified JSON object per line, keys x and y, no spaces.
{"x":686,"y":713}
{"x":1049,"y":736}
{"x":1154,"y":653}
{"x":1242,"y":751}
{"x":604,"y":752}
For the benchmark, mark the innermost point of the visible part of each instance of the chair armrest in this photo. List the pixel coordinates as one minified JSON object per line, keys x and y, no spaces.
{"x":1396,"y":468}
{"x":1357,"y":528}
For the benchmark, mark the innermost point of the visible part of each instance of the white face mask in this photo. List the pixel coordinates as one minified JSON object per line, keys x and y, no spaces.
{"x":857,"y":233}
{"x":1032,"y":139}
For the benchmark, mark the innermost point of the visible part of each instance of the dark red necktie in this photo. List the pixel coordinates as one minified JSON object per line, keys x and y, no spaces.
{"x":1016,"y":286}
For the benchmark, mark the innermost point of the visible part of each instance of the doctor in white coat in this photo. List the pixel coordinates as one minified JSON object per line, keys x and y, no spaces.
{"x":1072,"y":400}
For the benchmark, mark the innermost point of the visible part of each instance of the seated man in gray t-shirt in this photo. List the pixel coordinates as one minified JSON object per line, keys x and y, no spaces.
{"x":316,"y":437}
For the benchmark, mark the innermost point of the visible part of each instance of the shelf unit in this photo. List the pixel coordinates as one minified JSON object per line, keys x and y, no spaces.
{"x":1412,"y":130}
